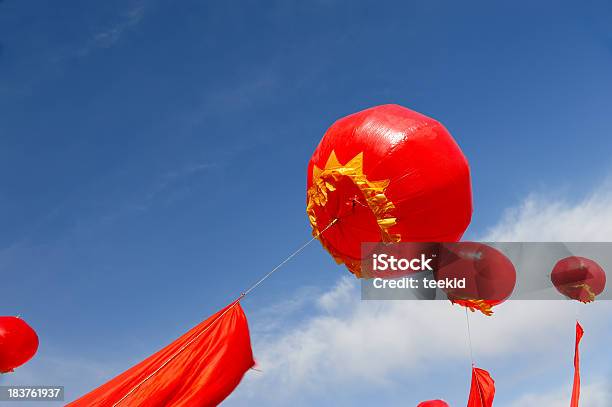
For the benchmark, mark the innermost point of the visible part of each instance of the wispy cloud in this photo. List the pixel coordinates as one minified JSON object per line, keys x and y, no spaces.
{"x":110,"y":35}
{"x":171,"y":180}
{"x":539,"y":218}
{"x":76,"y":375}
{"x":345,"y":343}
{"x":597,"y":394}
{"x":253,"y":87}
{"x":348,"y":341}
{"x":50,"y":58}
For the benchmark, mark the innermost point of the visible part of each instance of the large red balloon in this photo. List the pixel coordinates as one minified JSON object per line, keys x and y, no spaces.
{"x":433,"y":403}
{"x":489,"y":275}
{"x":579,"y":278}
{"x":387,"y":174}
{"x":18,"y":343}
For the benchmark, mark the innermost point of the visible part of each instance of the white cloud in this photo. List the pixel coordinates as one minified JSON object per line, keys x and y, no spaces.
{"x":110,"y":35}
{"x":346,"y":346}
{"x":541,"y":219}
{"x":352,"y":341}
{"x":75,"y":374}
{"x":593,"y":395}
{"x":347,"y":342}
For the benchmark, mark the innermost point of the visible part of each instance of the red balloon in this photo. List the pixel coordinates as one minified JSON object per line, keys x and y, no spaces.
{"x":433,"y":403}
{"x":18,"y":343}
{"x":386,"y":174}
{"x":489,"y":275}
{"x":579,"y":278}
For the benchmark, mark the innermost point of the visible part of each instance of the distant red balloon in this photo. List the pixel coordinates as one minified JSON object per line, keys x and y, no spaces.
{"x":433,"y":403}
{"x":489,"y":275}
{"x":18,"y":343}
{"x":579,"y":278}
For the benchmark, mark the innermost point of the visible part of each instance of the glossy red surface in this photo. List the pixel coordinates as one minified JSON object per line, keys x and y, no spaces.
{"x":429,"y":179}
{"x":579,"y":278}
{"x":18,"y":343}
{"x":490,"y":276}
{"x":433,"y":403}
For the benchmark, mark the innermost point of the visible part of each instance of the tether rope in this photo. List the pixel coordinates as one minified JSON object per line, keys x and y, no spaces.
{"x":229,"y":307}
{"x":467,"y":320}
{"x":469,"y":334}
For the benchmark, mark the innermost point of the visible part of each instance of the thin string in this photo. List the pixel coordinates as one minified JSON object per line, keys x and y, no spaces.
{"x":467,"y":319}
{"x":232,"y":305}
{"x":282,"y":263}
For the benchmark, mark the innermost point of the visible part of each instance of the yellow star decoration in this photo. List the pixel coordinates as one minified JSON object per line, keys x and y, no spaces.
{"x":473,"y":305}
{"x":324,"y":181}
{"x":589,"y":291}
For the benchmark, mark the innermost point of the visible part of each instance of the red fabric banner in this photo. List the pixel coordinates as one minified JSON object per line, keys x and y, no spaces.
{"x":482,"y":391}
{"x":576,"y":387}
{"x":201,"y":368}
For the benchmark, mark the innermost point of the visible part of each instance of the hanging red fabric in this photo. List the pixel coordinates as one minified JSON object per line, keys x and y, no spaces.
{"x":576,"y":387}
{"x":201,"y":368}
{"x":482,"y":390}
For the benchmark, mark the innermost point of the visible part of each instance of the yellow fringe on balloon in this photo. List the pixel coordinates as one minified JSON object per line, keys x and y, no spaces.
{"x":324,"y":181}
{"x":473,"y":305}
{"x":588,"y":289}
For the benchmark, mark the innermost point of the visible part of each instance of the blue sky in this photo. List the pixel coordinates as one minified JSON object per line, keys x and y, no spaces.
{"x":153,"y":155}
